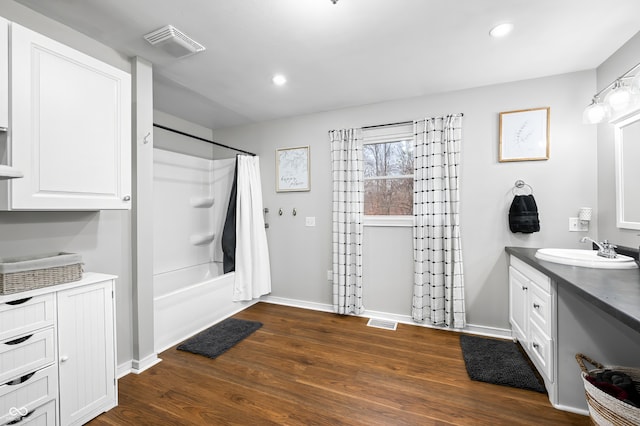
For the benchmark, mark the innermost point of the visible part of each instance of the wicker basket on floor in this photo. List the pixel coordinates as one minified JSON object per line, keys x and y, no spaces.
{"x":606,"y":409}
{"x":31,"y":272}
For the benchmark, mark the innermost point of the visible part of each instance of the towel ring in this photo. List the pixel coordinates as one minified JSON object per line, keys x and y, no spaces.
{"x":519,"y":185}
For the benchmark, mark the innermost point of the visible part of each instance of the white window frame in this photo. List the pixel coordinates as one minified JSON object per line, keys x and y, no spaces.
{"x":388,"y":135}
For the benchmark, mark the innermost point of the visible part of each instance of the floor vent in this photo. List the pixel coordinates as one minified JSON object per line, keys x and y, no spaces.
{"x":378,"y":323}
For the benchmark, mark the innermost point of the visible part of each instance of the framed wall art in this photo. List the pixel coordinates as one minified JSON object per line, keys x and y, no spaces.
{"x":292,"y":169}
{"x":524,"y":135}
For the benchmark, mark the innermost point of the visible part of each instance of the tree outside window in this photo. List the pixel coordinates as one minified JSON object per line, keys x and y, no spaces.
{"x":388,"y":178}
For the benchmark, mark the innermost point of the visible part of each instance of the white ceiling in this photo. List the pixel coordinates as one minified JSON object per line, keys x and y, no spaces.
{"x":355,"y":52}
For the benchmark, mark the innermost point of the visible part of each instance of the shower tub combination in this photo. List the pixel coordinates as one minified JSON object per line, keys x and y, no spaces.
{"x":191,"y":292}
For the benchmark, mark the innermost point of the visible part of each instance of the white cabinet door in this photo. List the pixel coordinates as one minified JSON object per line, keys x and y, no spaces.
{"x":86,"y":350}
{"x":518,"y":313}
{"x":70,"y":128}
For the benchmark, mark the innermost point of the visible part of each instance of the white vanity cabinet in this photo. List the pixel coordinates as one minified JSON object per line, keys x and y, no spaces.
{"x":69,"y":130}
{"x":533,"y":318}
{"x":57,"y":353}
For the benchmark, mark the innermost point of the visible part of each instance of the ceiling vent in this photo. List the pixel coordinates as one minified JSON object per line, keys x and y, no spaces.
{"x":173,"y":41}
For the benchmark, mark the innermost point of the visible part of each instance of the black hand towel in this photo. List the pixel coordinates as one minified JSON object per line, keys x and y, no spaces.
{"x":523,"y":215}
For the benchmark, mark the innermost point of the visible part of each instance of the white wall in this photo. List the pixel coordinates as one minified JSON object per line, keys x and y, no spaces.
{"x":301,"y":255}
{"x":620,"y":62}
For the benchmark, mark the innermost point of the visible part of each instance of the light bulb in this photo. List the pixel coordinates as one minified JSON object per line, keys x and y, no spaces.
{"x":501,"y":30}
{"x":620,"y":97}
{"x":635,"y":84}
{"x":595,"y":113}
{"x":279,"y":79}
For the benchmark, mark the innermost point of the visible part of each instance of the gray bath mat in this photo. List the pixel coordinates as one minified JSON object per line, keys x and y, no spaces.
{"x":499,"y":362}
{"x":219,"y":338}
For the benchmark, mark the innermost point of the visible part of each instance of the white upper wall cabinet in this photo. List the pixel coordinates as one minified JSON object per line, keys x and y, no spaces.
{"x":69,"y":128}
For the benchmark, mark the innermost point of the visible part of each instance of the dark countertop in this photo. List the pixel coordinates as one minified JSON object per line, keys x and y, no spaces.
{"x":615,"y":291}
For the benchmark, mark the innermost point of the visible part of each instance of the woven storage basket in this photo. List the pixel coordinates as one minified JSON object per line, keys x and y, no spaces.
{"x":31,"y":272}
{"x":606,"y":409}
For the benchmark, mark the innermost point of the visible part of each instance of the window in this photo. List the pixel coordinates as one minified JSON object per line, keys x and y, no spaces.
{"x":388,"y":177}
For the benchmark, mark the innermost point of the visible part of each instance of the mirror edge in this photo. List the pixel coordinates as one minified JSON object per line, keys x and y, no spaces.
{"x":618,"y":125}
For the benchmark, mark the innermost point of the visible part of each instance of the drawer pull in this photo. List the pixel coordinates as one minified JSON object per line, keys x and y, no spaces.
{"x":525,"y":288}
{"x":22,"y":411}
{"x":64,"y":358}
{"x":535,"y":345}
{"x":18,"y":340}
{"x":21,"y":379}
{"x":536,"y":306}
{"x":19,"y":301}
{"x":18,"y":411}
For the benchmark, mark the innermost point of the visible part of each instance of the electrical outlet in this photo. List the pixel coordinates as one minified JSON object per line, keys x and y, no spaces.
{"x":576,"y":225}
{"x":310,"y":221}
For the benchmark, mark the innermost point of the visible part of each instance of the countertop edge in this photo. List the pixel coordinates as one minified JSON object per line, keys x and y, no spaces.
{"x":87,"y":278}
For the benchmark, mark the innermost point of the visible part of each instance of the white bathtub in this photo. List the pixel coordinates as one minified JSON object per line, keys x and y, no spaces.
{"x":189,"y":300}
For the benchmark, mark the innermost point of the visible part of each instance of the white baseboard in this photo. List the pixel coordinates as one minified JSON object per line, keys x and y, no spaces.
{"x":403,"y":319}
{"x":138,"y":366}
{"x":571,"y":409}
{"x":123,"y":369}
{"x":294,"y":303}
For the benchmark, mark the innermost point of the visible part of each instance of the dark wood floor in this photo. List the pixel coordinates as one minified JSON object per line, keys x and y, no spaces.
{"x":313,"y":368}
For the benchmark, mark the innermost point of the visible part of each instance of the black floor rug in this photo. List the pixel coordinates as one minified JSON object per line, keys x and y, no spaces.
{"x":219,"y":338}
{"x":499,"y":362}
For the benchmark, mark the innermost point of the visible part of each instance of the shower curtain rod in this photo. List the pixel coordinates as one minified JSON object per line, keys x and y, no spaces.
{"x":202,"y":139}
{"x":400,"y":123}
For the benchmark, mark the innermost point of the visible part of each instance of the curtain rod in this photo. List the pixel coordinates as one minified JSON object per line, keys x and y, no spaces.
{"x":400,"y":123}
{"x":201,"y":139}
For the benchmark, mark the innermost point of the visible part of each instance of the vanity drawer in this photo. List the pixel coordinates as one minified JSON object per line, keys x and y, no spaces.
{"x":22,"y":316}
{"x":44,"y":415}
{"x":26,"y":354}
{"x":540,"y":308}
{"x":34,"y":390}
{"x":541,"y":351}
{"x":531,"y":273}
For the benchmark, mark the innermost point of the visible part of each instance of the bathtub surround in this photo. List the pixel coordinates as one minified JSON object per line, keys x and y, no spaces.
{"x":191,"y":192}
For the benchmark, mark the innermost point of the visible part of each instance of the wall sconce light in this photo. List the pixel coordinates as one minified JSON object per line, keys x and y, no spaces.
{"x":621,"y":95}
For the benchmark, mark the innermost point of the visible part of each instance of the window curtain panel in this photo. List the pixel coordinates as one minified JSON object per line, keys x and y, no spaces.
{"x":253,"y":270}
{"x":348,"y":211}
{"x":438,"y":293}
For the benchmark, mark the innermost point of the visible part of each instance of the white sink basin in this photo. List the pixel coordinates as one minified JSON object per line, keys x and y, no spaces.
{"x":585,"y":258}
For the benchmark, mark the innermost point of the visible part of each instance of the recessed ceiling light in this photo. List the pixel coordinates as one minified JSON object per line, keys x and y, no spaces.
{"x":501,"y":30}
{"x":279,"y":79}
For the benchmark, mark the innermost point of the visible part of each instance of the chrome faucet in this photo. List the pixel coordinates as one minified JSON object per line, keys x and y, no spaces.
{"x":605,"y":248}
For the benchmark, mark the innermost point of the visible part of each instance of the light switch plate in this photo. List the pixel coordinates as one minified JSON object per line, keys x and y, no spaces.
{"x":310,"y":221}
